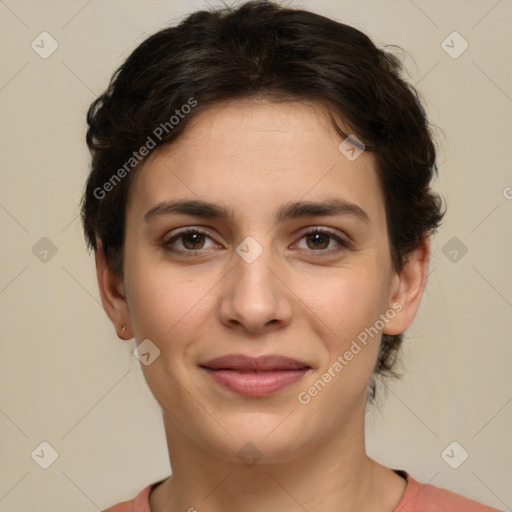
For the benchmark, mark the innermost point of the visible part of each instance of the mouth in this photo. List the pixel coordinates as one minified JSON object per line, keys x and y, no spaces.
{"x":255,"y":377}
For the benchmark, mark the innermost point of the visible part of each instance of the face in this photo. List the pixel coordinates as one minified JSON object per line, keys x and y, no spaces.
{"x":258,"y":280}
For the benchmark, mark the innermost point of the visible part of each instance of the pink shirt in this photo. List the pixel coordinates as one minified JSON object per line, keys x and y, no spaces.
{"x":417,"y":498}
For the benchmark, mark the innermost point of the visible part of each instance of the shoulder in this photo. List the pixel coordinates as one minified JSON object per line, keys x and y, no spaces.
{"x":138,"y":504}
{"x":420,"y":497}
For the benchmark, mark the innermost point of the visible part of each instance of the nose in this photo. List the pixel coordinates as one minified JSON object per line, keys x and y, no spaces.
{"x":255,"y":297}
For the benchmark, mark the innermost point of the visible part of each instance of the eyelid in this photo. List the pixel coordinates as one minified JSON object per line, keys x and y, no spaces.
{"x":184,"y":231}
{"x":343,"y":240}
{"x":329,"y":231}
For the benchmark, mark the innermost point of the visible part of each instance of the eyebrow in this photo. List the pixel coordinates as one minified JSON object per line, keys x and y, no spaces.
{"x":291,"y":210}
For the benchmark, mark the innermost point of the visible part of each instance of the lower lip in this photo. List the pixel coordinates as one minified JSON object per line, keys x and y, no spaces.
{"x":256,"y":384}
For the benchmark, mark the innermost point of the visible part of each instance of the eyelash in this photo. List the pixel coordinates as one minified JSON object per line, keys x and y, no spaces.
{"x":194,"y":253}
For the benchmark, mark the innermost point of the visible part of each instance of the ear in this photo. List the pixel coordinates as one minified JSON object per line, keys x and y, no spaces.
{"x":112,"y":295}
{"x":407,"y":289}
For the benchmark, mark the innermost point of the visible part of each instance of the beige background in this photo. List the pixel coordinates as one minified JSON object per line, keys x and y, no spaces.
{"x":67,"y":380}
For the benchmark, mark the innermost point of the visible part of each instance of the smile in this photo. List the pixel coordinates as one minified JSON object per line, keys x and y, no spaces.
{"x":255,"y":383}
{"x":255,"y":376}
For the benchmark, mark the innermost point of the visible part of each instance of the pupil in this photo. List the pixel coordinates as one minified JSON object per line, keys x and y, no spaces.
{"x":318,"y":238}
{"x":194,"y":238}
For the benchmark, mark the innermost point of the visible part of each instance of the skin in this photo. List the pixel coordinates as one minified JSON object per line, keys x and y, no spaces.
{"x":254,"y":156}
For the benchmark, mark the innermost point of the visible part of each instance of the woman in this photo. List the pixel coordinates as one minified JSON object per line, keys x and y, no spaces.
{"x":260,"y":211}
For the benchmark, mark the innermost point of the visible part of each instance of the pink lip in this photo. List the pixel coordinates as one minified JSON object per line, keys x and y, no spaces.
{"x":255,"y":377}
{"x":256,"y":383}
{"x":262,"y":363}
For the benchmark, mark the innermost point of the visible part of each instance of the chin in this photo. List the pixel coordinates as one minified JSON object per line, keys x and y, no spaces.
{"x":260,"y":438}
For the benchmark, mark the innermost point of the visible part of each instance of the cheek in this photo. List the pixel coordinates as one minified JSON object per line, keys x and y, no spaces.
{"x":167,"y":307}
{"x":165,"y":302}
{"x":346,"y":307}
{"x":346,"y":302}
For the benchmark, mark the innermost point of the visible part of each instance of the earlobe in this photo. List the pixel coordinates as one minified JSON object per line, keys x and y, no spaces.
{"x":408,"y":287}
{"x":112,"y":294}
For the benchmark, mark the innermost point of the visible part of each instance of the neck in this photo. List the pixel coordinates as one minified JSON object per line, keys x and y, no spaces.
{"x":330,"y":475}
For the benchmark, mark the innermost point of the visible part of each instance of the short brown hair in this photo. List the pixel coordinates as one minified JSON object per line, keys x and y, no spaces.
{"x":263,"y":49}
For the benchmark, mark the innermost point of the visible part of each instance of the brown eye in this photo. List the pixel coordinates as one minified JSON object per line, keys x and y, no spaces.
{"x":318,"y":240}
{"x":192,"y":240}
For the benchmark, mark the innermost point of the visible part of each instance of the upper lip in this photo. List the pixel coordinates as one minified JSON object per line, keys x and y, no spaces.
{"x":263,"y":363}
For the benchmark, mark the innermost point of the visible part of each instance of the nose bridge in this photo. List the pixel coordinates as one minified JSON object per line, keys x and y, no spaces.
{"x":252,"y":273}
{"x":254,"y":295}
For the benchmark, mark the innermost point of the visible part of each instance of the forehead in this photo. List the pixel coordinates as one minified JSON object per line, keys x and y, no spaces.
{"x":254,"y":156}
